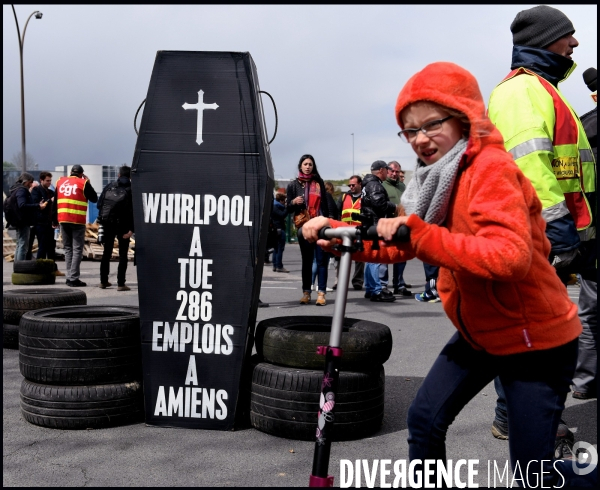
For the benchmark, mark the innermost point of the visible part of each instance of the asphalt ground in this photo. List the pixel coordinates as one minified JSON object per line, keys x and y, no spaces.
{"x":140,"y":455}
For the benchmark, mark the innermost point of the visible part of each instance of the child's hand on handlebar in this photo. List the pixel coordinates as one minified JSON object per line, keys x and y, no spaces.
{"x":310,"y":230}
{"x":387,"y":227}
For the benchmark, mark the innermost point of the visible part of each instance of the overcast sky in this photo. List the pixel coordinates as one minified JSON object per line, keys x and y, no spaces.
{"x":332,"y":70}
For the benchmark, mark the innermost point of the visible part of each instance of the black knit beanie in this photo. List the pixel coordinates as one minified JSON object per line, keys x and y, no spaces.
{"x":540,"y":26}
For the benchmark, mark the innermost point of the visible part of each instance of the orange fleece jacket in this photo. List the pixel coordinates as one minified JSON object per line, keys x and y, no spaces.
{"x":495,"y":282}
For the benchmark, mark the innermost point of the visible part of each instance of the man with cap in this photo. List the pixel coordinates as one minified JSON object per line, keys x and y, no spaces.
{"x":70,"y":211}
{"x":547,"y":141}
{"x":376,"y":204}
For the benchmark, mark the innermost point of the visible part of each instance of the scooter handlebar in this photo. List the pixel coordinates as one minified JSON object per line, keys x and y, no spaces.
{"x":327,"y":233}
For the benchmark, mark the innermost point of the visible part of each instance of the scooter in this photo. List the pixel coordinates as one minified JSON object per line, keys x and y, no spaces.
{"x":352,"y":241}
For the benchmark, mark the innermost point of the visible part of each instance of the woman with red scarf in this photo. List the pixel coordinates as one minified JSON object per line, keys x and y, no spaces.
{"x":307,"y":192}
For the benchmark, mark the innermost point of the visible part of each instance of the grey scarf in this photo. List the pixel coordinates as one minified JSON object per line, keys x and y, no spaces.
{"x":428,"y":193}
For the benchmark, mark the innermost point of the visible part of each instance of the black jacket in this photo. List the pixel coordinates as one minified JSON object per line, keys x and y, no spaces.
{"x":295,"y":189}
{"x":27,"y":208}
{"x":375,"y":201}
{"x":125,"y":224}
{"x":278,"y":215}
{"x":39,"y":194}
{"x":333,"y":209}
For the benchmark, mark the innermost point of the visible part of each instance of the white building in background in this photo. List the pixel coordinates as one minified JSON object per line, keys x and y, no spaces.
{"x":100,"y":176}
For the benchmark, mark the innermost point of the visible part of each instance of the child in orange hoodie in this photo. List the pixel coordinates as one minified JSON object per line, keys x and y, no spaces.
{"x":471,"y":211}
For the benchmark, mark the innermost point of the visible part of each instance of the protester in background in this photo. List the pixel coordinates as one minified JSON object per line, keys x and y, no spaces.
{"x":32,"y":231}
{"x":43,"y":227}
{"x":115,"y":214}
{"x":477,"y":216}
{"x":585,"y":382}
{"x":349,"y":206}
{"x":334,"y":214}
{"x":69,"y":212}
{"x":278,"y":215}
{"x":548,"y":143}
{"x":394,"y":187}
{"x":306,"y":196}
{"x":376,"y":204}
{"x":27,"y":212}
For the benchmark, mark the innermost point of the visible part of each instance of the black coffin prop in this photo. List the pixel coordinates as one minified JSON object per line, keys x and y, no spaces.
{"x":202,"y":185}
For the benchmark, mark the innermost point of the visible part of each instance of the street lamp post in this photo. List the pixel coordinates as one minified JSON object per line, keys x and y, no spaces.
{"x":352,"y":153}
{"x":38,"y":15}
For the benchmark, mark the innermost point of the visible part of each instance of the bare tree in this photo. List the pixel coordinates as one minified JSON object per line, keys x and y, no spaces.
{"x":17,"y":161}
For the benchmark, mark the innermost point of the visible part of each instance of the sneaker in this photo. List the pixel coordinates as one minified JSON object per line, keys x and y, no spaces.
{"x":76,"y":283}
{"x":408,"y":286}
{"x":334,"y":287}
{"x":368,"y":295}
{"x":123,"y":288}
{"x":580,"y":395}
{"x":499,"y":431}
{"x":283,"y":269}
{"x":329,"y":290}
{"x":402,"y":291}
{"x":58,"y":273}
{"x":305,"y":298}
{"x":387,"y":293}
{"x":427,"y":298}
{"x":563,"y":449}
{"x":104,"y":285}
{"x":357,"y":287}
{"x":383,"y":298}
{"x":312,"y":287}
{"x":321,"y":299}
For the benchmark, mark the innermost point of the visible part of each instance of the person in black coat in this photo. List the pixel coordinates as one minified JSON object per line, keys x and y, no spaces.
{"x":43,"y":224}
{"x":121,"y":227}
{"x":307,"y":192}
{"x":27,"y":209}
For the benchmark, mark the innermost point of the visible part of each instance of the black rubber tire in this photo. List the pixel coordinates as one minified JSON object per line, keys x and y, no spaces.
{"x":293,"y":340}
{"x":10,"y":336}
{"x":19,"y":279}
{"x":82,"y":407}
{"x":35,"y":266}
{"x":284,"y":402}
{"x":80,"y":345}
{"x":16,"y":302}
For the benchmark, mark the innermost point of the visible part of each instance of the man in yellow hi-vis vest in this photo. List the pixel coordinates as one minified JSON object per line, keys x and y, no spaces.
{"x":548,"y":143}
{"x":70,"y":211}
{"x":348,"y":205}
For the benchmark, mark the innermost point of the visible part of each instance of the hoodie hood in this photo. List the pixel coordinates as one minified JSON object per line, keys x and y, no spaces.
{"x":551,"y":66}
{"x":449,"y":85}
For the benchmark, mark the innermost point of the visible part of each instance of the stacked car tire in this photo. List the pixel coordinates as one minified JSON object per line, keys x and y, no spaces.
{"x":287,"y":377}
{"x":33,"y":272}
{"x":17,"y":302}
{"x":82,"y":366}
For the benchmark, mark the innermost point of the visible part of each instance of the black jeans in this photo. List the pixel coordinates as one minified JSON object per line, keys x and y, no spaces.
{"x":110,"y":232}
{"x":536,"y":386}
{"x":46,"y":242}
{"x":309,"y":251}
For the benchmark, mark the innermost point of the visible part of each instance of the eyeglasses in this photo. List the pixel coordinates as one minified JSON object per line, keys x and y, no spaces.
{"x":352,"y":185}
{"x":428,"y":129}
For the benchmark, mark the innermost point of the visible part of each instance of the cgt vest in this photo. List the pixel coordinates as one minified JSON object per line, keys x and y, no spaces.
{"x":348,"y":208}
{"x":572,"y":162}
{"x":72,"y":204}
